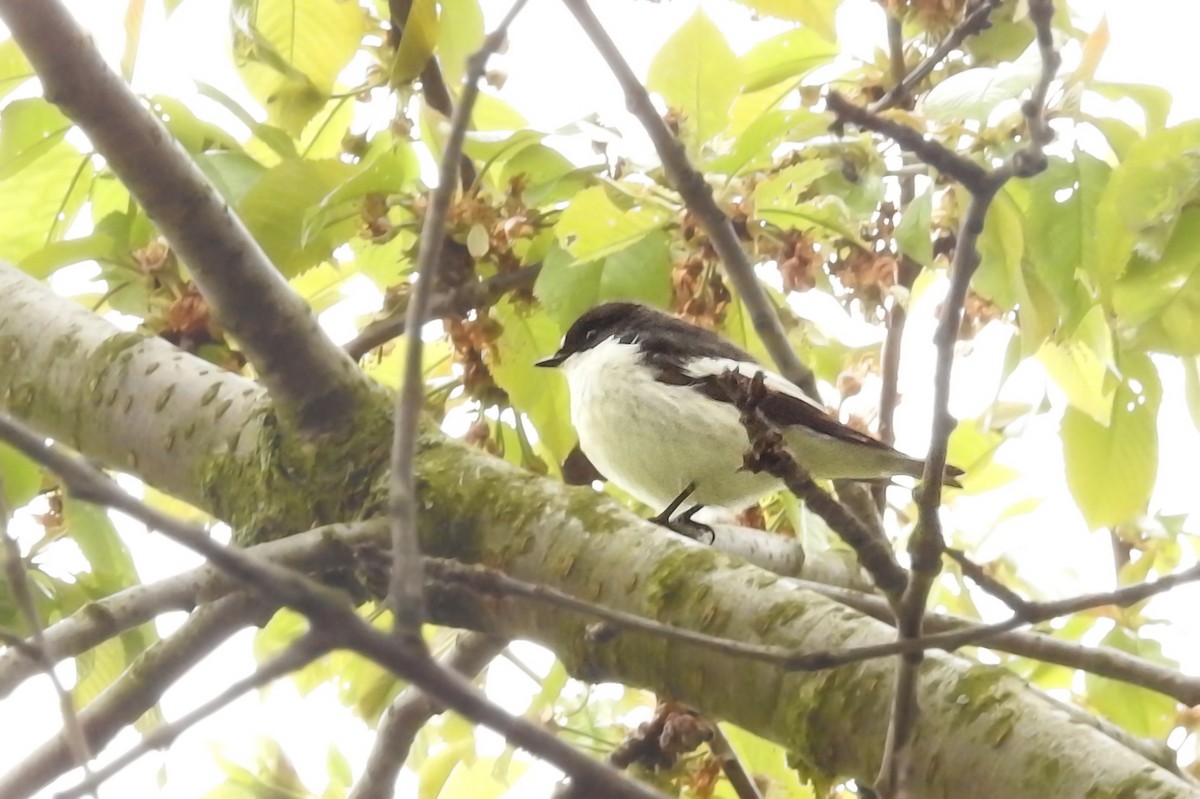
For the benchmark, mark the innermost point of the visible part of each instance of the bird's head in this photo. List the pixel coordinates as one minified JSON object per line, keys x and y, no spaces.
{"x":612,"y":320}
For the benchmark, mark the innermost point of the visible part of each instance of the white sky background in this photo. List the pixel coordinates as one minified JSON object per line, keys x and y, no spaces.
{"x":555,"y":78}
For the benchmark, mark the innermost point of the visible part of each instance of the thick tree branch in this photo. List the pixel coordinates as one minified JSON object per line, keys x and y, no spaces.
{"x":698,"y":197}
{"x":411,"y":711}
{"x":312,"y":380}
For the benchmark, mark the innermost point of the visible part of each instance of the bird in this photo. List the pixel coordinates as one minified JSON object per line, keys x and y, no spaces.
{"x":650,"y":412}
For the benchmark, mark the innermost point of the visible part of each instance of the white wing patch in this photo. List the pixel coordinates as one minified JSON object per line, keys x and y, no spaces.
{"x":715,"y":367}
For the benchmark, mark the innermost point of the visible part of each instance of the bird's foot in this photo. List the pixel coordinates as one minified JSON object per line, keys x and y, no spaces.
{"x":684,"y":524}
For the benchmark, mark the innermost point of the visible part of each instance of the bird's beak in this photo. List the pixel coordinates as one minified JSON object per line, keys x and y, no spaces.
{"x":554,"y":360}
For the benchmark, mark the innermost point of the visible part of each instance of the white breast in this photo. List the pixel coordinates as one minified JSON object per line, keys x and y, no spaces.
{"x":653,"y":439}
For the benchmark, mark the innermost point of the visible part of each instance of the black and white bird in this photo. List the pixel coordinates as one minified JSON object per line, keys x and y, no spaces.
{"x":651,"y":416}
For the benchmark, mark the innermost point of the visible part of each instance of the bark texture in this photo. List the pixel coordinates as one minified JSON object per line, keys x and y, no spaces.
{"x":982,"y":732}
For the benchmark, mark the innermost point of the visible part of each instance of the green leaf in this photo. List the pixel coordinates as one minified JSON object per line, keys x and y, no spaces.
{"x":785,"y":189}
{"x":1140,"y":711}
{"x":21,"y":477}
{"x":29,"y":129}
{"x":593,"y":226}
{"x":276,"y":207}
{"x":1111,"y":469}
{"x":384,"y":172}
{"x":1082,"y":365}
{"x":820,"y":15}
{"x":541,"y":394}
{"x":974,"y":93}
{"x":39,"y":203}
{"x":96,"y":247}
{"x":417,"y":41}
{"x":1144,"y":196}
{"x":290,"y":53}
{"x":754,"y":147}
{"x":640,"y":272}
{"x":459,"y":38}
{"x":232,"y":174}
{"x":1061,"y":233}
{"x":914,"y":233}
{"x":193,"y":133}
{"x":788,"y":56}
{"x":1155,"y":101}
{"x":1158,"y":303}
{"x":1191,"y":388}
{"x":275,"y":138}
{"x":1001,"y":246}
{"x":697,"y":73}
{"x":92,"y":530}
{"x":14,"y":67}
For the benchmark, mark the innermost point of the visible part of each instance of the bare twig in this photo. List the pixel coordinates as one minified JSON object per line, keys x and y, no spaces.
{"x":18,"y":586}
{"x":975,"y":19}
{"x":973,"y":176}
{"x":974,"y":572}
{"x":329,"y":612}
{"x":410,"y":712}
{"x":135,"y":692}
{"x":324,"y":548}
{"x":315,"y":383}
{"x":743,"y":784}
{"x":405,"y":591}
{"x":460,"y":300}
{"x":295,"y":657}
{"x":698,"y":197}
{"x":927,"y":543}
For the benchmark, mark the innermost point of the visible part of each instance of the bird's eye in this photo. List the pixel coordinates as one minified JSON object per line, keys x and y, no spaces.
{"x":590,"y":335}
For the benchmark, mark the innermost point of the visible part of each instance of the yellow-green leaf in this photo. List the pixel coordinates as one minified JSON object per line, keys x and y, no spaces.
{"x":1081,"y":365}
{"x":820,"y":15}
{"x":1158,"y":302}
{"x":417,"y":42}
{"x":21,"y":477}
{"x":697,"y":73}
{"x":788,"y":56}
{"x":539,"y":393}
{"x":593,"y":226}
{"x":1111,"y":469}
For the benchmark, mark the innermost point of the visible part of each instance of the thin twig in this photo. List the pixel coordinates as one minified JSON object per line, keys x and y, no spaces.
{"x":698,"y":197}
{"x":927,"y":541}
{"x":307,"y":649}
{"x":462,"y":299}
{"x":975,"y":19}
{"x":974,"y":177}
{"x":735,"y":771}
{"x":405,"y":592}
{"x":411,"y":711}
{"x":976,"y":574}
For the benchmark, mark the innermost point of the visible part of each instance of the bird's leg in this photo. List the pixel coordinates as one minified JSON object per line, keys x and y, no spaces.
{"x":684,"y":525}
{"x":664,"y":518}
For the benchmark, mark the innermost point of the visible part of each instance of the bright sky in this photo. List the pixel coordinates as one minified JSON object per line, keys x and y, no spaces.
{"x":555,"y":77}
